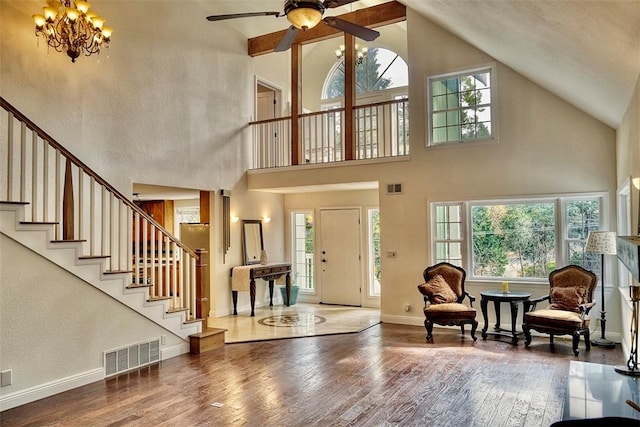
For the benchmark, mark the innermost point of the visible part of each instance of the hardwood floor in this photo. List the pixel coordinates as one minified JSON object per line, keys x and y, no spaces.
{"x":384,"y":376}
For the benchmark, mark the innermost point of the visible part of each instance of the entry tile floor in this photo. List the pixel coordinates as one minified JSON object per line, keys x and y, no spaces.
{"x":298,"y":320}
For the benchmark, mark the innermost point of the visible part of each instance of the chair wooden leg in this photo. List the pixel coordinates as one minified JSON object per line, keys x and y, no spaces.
{"x":551,"y":341}
{"x":587,"y":339}
{"x":429,"y":326}
{"x":527,"y":334}
{"x":474,"y":326}
{"x":576,"y":341}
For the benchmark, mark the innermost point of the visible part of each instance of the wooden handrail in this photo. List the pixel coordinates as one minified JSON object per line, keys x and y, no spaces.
{"x":52,"y":142}
{"x":317,"y":113}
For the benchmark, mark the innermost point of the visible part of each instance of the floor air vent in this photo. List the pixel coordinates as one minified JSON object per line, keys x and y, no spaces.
{"x":131,"y":357}
{"x":394,"y":188}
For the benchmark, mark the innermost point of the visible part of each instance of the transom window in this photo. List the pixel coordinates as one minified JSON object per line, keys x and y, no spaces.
{"x":380,"y":69}
{"x":460,"y":107}
{"x":516,"y":239}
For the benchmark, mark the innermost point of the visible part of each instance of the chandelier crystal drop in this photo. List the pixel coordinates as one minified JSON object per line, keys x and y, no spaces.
{"x":69,"y":27}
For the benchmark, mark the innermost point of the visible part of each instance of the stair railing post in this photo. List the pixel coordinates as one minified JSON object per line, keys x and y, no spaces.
{"x":67,"y":203}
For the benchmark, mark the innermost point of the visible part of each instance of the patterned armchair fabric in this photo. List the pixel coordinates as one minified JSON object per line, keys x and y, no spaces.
{"x":570,"y":300}
{"x":444,"y":294}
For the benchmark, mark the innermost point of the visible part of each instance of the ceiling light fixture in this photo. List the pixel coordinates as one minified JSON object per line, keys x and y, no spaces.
{"x":304,"y":14}
{"x":360,"y":53}
{"x":69,"y":27}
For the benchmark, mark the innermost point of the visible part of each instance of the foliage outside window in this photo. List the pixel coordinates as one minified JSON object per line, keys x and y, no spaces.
{"x":375,"y":257}
{"x":460,"y":107}
{"x":380,"y":69}
{"x":518,"y":239}
{"x":302,"y":231}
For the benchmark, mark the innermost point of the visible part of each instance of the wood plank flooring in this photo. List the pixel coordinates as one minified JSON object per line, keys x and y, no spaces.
{"x":384,"y":376}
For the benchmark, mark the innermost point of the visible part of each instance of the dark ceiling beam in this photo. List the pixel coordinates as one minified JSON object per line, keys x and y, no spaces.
{"x":371,"y":17}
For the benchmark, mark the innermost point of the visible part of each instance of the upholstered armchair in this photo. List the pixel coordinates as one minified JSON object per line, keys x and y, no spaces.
{"x":570,"y":297}
{"x":444,"y":294}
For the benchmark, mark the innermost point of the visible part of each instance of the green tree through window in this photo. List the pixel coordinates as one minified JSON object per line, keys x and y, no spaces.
{"x":373,"y":74}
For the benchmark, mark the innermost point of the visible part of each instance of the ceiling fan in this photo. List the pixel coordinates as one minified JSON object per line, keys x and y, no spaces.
{"x":306,"y":14}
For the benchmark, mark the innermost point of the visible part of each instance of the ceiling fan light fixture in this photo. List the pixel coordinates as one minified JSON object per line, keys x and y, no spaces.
{"x":304,"y":14}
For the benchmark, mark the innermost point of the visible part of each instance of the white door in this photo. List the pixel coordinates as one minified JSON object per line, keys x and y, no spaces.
{"x":340,"y":261}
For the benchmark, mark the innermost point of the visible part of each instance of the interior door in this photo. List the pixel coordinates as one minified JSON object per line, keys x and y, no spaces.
{"x":340,"y":262}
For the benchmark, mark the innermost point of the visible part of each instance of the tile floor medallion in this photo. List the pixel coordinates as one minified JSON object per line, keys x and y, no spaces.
{"x":290,"y":320}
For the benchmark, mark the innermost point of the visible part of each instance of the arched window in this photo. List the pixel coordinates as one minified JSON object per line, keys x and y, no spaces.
{"x":377,"y":69}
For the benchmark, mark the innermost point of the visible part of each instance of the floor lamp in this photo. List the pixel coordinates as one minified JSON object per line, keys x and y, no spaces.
{"x":602,"y":243}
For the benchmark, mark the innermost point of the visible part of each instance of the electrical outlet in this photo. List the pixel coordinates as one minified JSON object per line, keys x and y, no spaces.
{"x":392,"y":254}
{"x":407,"y":307}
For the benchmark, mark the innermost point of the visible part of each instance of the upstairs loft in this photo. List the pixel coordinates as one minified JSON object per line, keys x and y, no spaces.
{"x":352,"y":103}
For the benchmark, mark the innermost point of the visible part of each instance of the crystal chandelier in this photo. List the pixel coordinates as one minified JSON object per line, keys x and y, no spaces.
{"x":360,"y":53}
{"x":69,"y":27}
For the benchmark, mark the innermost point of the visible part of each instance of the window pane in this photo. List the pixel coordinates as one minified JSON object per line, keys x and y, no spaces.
{"x":303,"y":242}
{"x":513,"y":240}
{"x":583,"y":216}
{"x":468,"y":108}
{"x":374,"y":253}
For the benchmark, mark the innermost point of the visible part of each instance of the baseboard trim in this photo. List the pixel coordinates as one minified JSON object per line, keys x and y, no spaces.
{"x":173,"y":351}
{"x":41,"y":391}
{"x":402,"y":320}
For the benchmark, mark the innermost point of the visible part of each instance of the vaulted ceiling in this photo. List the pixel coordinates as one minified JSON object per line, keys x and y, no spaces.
{"x":585,"y":51}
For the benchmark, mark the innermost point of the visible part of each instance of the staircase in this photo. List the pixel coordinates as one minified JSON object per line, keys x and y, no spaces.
{"x":53,"y":204}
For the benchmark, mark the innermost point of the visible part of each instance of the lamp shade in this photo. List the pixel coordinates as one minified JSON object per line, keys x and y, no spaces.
{"x":601,"y":242}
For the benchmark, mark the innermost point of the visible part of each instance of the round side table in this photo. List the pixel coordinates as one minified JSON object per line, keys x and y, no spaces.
{"x":498,"y":297}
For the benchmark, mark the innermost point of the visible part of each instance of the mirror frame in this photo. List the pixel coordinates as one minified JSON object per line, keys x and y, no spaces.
{"x":249,"y":258}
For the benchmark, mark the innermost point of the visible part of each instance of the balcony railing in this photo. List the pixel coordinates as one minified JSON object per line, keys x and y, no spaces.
{"x":380,"y":130}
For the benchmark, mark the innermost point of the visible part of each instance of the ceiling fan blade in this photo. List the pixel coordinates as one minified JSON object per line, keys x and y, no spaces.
{"x":287,"y":40}
{"x":359,"y":31}
{"x":241,"y":15}
{"x":328,"y":4}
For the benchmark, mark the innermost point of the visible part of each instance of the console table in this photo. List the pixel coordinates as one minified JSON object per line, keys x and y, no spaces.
{"x":243,"y":278}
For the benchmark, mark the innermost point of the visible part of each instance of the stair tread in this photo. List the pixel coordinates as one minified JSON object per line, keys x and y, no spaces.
{"x":177,"y":309}
{"x":140,"y":286}
{"x":94,"y":256}
{"x":39,"y":222}
{"x":209,"y":332}
{"x":69,"y":241}
{"x":151,"y":299}
{"x":10,"y":202}
{"x":118,"y":271}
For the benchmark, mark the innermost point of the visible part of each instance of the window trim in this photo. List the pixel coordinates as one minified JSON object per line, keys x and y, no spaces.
{"x":560,"y":202}
{"x":492,"y":68}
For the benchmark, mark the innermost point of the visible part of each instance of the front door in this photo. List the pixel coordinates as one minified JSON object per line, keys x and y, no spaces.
{"x":340,"y":260}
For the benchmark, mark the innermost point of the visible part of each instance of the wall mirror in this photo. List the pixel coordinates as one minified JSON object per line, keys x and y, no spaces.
{"x":252,"y":244}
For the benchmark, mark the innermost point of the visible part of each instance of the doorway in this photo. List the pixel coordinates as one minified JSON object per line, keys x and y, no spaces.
{"x":268,"y":100}
{"x":340,"y":259}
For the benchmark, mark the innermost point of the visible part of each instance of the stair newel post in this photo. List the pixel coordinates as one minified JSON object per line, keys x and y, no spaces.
{"x":67,"y":203}
{"x":202,"y":302}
